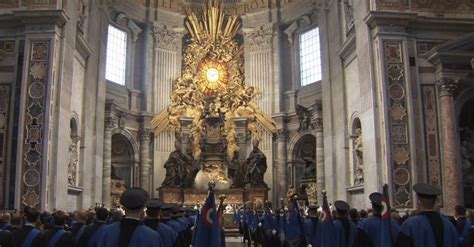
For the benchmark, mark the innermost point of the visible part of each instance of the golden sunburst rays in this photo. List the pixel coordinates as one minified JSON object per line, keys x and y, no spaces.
{"x":214,"y":27}
{"x":212,"y":75}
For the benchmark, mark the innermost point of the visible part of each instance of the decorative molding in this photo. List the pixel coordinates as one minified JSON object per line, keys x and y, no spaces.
{"x":290,"y":31}
{"x":144,"y":133}
{"x":165,"y":37}
{"x":430,"y":116}
{"x":282,"y":134}
{"x":110,"y":122}
{"x":398,"y":122}
{"x":260,"y":39}
{"x":35,"y":119}
{"x":125,"y":22}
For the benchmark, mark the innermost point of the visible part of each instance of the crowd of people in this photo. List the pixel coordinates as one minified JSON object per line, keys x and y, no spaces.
{"x":342,"y":226}
{"x":162,"y":225}
{"x":149,"y":222}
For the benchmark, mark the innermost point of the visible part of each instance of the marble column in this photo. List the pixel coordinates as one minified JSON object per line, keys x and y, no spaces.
{"x":320,"y":182}
{"x":281,"y":168}
{"x":145,"y":159}
{"x":453,"y":192}
{"x":107,"y":162}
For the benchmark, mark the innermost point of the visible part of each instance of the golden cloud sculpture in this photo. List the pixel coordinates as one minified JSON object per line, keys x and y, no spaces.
{"x":212,"y":82}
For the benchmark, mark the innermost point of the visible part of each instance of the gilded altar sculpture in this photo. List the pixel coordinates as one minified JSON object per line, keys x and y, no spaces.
{"x":212,"y":86}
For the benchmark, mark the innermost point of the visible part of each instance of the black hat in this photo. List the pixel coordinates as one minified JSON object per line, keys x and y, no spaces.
{"x":154,"y":204}
{"x":167,"y":207}
{"x":426,"y":190}
{"x":134,"y":198}
{"x":376,"y":198}
{"x":341,"y":205}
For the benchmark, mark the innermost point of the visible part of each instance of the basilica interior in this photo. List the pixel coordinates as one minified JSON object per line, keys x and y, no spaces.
{"x":262,"y":97}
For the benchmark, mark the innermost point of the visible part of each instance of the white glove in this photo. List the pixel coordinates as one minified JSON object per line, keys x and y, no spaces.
{"x":309,"y":245}
{"x":259,"y":224}
{"x":274,"y":232}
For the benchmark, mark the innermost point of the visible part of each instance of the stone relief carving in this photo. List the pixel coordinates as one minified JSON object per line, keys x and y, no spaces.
{"x":165,"y":37}
{"x":260,"y":39}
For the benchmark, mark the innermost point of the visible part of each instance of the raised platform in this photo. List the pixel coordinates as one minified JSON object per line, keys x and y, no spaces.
{"x":191,"y":197}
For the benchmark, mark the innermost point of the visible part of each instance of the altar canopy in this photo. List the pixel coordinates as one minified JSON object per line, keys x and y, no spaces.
{"x":212,"y":93}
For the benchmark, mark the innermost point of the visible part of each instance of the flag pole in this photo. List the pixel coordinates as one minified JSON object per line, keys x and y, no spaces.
{"x":387,"y":198}
{"x":193,"y":239}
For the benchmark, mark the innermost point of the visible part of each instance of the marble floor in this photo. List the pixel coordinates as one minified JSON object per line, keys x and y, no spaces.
{"x":234,"y":242}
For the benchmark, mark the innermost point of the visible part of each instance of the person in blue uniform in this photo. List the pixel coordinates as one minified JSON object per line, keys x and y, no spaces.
{"x":313,"y":226}
{"x":81,"y":218}
{"x":169,"y":216}
{"x":90,"y":234}
{"x":6,"y":237}
{"x":369,"y":230}
{"x":345,"y":230}
{"x":167,"y":234}
{"x":28,"y":235}
{"x":428,"y":227}
{"x":463,"y":224}
{"x":130,"y":231}
{"x":57,"y":236}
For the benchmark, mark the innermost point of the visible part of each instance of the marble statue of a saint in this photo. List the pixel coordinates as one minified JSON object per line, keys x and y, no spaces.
{"x":72,"y":166}
{"x":359,"y":153}
{"x":175,"y":168}
{"x":256,"y":167}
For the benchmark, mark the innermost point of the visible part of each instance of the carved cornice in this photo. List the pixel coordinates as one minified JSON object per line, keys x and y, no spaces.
{"x":39,"y":17}
{"x":165,"y":37}
{"x":260,"y":38}
{"x":447,"y":86}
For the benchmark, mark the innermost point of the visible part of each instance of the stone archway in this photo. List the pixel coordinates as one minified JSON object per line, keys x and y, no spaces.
{"x":122,"y":160}
{"x":303,"y":163}
{"x":466,"y":137}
